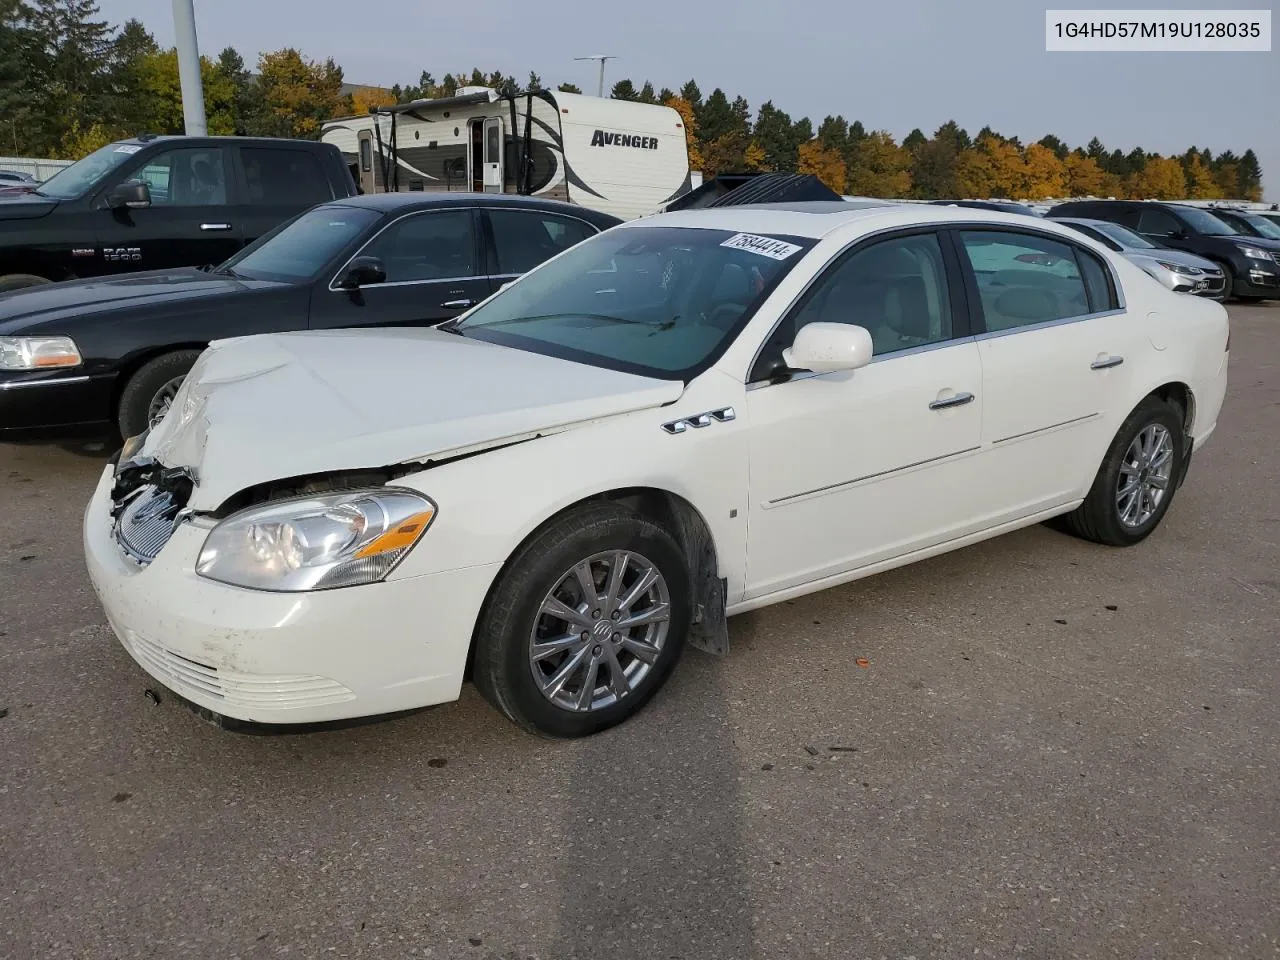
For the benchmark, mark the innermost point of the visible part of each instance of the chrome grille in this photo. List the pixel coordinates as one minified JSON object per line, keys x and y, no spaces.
{"x":146,"y":522}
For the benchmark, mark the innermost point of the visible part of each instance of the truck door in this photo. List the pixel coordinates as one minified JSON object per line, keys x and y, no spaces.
{"x":493,"y":179}
{"x":367,"y":179}
{"x":192,"y":219}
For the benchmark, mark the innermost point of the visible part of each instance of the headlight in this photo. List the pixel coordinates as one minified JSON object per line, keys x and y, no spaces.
{"x":37,"y":353}
{"x":1256,"y":253}
{"x":316,"y":543}
{"x":1181,"y":268}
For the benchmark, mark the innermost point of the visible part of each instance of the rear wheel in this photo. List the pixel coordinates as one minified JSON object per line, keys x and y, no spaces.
{"x":18,"y":281}
{"x":150,"y":391}
{"x":585,"y":624}
{"x":1136,"y":482}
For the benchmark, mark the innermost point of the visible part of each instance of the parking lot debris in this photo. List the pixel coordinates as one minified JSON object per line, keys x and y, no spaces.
{"x":121,"y":797}
{"x":863,"y":662}
{"x":437,"y":762}
{"x":811,"y":751}
{"x":4,"y":712}
{"x":153,"y":698}
{"x":1112,"y":606}
{"x":1060,"y":620}
{"x":766,"y":766}
{"x":843,"y":749}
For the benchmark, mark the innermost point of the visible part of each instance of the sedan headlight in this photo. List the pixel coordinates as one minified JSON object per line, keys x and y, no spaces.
{"x":316,"y":543}
{"x":1256,"y":253}
{"x":1181,"y":268}
{"x":38,"y":353}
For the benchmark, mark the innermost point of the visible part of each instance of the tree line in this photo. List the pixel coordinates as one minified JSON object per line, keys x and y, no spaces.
{"x":71,"y":82}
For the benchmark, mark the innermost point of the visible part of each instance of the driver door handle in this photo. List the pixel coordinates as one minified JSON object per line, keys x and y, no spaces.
{"x":959,"y":400}
{"x":457,"y":304}
{"x":1105,"y":362}
{"x":215,"y":226}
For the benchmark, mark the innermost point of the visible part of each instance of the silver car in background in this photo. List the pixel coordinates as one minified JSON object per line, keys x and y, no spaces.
{"x":1178,"y":270}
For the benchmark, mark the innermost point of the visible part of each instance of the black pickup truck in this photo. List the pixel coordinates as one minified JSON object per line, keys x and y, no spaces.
{"x":157,"y":202}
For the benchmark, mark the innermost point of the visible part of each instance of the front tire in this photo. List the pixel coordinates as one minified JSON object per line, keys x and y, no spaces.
{"x":20,"y":281}
{"x":1137,"y":480}
{"x":585,"y":624}
{"x":146,"y":397}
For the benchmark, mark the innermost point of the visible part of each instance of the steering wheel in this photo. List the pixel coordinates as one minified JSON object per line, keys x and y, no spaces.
{"x":732,"y":310}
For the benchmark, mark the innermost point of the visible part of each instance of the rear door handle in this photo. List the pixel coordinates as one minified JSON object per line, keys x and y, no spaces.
{"x":959,"y":400}
{"x":457,"y":304}
{"x":1105,"y":362}
{"x":215,"y":226}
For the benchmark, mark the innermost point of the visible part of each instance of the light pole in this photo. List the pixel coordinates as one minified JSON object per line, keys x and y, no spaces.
{"x":184,"y":32}
{"x":602,"y":58}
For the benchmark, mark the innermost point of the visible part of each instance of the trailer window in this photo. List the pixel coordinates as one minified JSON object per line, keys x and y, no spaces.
{"x":522,"y":239}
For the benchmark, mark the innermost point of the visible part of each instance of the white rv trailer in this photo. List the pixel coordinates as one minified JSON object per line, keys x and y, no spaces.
{"x":621,"y":157}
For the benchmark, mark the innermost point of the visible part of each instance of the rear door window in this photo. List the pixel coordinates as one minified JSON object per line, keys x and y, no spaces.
{"x":522,"y":239}
{"x":275,"y":177}
{"x":435,"y":245}
{"x":1025,"y":279}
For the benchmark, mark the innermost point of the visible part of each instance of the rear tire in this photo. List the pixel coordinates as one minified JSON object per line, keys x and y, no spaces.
{"x":1137,"y":480}
{"x":20,"y":281}
{"x":152,"y":386}
{"x":521,"y":648}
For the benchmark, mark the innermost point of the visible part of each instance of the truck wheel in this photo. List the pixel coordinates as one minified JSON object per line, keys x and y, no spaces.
{"x":17,"y":281}
{"x":149,"y":392}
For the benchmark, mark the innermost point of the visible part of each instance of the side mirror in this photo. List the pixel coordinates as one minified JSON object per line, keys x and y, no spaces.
{"x":134,"y":195}
{"x":828,"y":347}
{"x":363,"y":272}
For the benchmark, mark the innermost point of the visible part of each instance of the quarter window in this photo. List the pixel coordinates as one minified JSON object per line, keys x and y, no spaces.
{"x":896,"y":288}
{"x":1025,"y":279}
{"x":186,"y":178}
{"x":522,"y":239}
{"x":427,"y":246}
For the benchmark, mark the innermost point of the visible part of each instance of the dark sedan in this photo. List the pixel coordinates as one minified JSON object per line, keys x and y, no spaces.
{"x":104,"y":357}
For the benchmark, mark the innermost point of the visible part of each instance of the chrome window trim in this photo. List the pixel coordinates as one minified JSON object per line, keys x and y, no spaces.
{"x":387,"y":226}
{"x":51,"y":381}
{"x":937,"y":227}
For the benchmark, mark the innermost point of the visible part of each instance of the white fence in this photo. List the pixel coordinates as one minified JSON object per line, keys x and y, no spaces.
{"x":40,"y":169}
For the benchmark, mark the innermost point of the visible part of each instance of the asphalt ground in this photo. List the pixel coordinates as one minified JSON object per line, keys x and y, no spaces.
{"x":1032,"y":747}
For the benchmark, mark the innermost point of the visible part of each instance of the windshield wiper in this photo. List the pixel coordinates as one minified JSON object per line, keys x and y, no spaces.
{"x":553,"y":316}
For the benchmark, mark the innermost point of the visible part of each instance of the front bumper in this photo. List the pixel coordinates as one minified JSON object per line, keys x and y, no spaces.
{"x":37,"y":406}
{"x":283,"y":658}
{"x":1261,"y":280}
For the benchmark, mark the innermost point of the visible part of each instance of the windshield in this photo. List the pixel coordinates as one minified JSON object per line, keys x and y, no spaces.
{"x":300,"y":248}
{"x":1206,"y":223}
{"x":1264,"y":226}
{"x":1124,"y":236}
{"x":79,"y":178}
{"x":658,"y":301}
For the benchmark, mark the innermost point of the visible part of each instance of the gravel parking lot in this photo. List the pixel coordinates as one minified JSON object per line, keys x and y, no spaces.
{"x":1034,"y":747}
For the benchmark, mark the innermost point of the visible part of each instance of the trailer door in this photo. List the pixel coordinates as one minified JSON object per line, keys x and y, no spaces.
{"x":368,"y":179}
{"x":493,"y":155}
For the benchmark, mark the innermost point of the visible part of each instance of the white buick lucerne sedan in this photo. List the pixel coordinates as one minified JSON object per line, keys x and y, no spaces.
{"x":688,"y":416}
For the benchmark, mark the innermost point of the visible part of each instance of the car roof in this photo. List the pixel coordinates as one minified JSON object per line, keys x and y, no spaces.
{"x":816,"y":219}
{"x":424,"y":200}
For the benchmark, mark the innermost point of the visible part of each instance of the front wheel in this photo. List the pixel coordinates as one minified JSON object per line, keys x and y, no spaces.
{"x":585,"y":624}
{"x":150,"y":391}
{"x":20,"y":281}
{"x":1136,"y":482}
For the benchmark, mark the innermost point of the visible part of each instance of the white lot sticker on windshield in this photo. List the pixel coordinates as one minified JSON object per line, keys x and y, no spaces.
{"x":127,"y":148}
{"x":765,"y":246}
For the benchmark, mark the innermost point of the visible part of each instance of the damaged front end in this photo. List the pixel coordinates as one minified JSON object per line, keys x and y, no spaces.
{"x":148,"y":501}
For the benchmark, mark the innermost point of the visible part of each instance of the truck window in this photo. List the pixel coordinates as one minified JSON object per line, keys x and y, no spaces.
{"x":185,"y":178}
{"x":284,"y":177}
{"x":522,"y":239}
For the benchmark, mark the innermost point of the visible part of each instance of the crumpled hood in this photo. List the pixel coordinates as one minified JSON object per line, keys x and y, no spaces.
{"x":269,"y":407}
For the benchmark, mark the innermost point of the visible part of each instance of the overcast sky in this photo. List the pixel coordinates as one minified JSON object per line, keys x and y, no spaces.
{"x":893,"y":64}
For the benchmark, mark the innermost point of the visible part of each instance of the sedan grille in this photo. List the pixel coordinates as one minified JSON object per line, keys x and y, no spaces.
{"x":146,"y":521}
